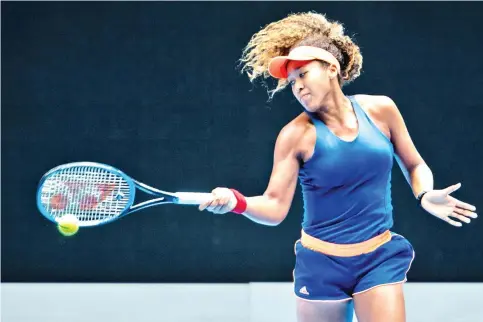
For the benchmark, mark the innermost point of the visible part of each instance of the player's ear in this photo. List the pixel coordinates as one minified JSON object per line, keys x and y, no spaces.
{"x":332,"y":71}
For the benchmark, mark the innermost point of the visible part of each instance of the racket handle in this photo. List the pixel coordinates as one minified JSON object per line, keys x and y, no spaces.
{"x":193,"y":198}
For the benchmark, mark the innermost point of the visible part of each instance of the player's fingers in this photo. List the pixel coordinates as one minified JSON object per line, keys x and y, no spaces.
{"x":209,"y":206}
{"x":227,"y":205}
{"x":216,"y":209}
{"x":205,"y":205}
{"x":461,"y":217}
{"x":222,"y":205}
{"x":452,"y":222}
{"x":215,"y":203}
{"x":452,"y":188}
{"x":461,"y":204}
{"x":465,"y":212}
{"x":221,"y":202}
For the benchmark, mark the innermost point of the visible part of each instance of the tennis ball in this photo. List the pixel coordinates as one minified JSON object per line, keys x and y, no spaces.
{"x":68,"y":225}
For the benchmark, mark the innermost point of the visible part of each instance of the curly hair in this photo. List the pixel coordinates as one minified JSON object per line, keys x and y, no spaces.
{"x":300,"y":29}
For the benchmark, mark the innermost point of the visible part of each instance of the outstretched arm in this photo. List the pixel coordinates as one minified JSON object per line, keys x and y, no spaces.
{"x":272,"y":207}
{"x":419,"y":176}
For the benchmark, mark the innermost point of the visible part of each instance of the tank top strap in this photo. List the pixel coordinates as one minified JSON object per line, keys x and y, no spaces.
{"x":360,"y":113}
{"x":320,"y":126}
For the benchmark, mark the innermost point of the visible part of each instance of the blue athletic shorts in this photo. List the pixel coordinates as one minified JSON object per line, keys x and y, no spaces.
{"x":318,"y":276}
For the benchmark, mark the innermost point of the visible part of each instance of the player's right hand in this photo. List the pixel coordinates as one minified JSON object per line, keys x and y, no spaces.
{"x":223,"y":201}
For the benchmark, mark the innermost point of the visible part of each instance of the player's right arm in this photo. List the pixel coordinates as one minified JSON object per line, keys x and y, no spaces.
{"x":272,"y":207}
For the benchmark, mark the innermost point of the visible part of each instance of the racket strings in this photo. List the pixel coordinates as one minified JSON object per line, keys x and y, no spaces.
{"x":91,"y":194}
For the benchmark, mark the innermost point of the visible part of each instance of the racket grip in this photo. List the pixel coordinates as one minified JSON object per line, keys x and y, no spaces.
{"x":193,"y":198}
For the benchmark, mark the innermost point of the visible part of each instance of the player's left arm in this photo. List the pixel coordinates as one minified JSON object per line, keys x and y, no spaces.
{"x":417,"y":172}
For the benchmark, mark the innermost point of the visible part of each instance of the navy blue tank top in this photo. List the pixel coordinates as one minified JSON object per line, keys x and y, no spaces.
{"x":346,"y":186}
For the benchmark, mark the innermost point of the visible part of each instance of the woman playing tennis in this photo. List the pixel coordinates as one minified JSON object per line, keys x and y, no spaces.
{"x":341,"y":148}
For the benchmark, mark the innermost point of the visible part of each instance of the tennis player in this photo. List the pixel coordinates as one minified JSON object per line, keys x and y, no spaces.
{"x":341,"y":149}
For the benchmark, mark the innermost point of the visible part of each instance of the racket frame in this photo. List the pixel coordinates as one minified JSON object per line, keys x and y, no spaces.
{"x":164,"y":197}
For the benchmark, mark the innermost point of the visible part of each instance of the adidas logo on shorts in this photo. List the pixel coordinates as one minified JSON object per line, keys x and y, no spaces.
{"x":303,"y":290}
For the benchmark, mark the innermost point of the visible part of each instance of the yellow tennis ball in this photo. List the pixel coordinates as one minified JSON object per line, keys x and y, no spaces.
{"x":68,"y":225}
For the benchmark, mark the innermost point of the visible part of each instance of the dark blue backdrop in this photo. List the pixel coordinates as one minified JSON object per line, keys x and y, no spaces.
{"x":152,"y":88}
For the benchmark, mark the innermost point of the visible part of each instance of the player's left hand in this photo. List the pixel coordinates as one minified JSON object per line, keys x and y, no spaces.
{"x":440,"y":204}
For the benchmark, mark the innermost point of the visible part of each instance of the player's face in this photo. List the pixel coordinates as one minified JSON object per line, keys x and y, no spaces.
{"x":310,"y":83}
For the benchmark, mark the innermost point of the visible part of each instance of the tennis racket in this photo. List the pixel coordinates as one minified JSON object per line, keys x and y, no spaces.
{"x":97,"y":194}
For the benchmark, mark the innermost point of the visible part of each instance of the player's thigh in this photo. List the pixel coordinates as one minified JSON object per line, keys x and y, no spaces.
{"x":324,"y":311}
{"x":381,"y":304}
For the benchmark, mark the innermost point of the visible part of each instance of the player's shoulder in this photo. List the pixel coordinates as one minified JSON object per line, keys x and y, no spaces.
{"x":297,"y":127}
{"x":379,"y":106}
{"x":294,"y":131}
{"x":374,"y":101}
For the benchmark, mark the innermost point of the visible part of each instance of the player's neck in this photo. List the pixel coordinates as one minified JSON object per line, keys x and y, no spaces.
{"x":335,"y":108}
